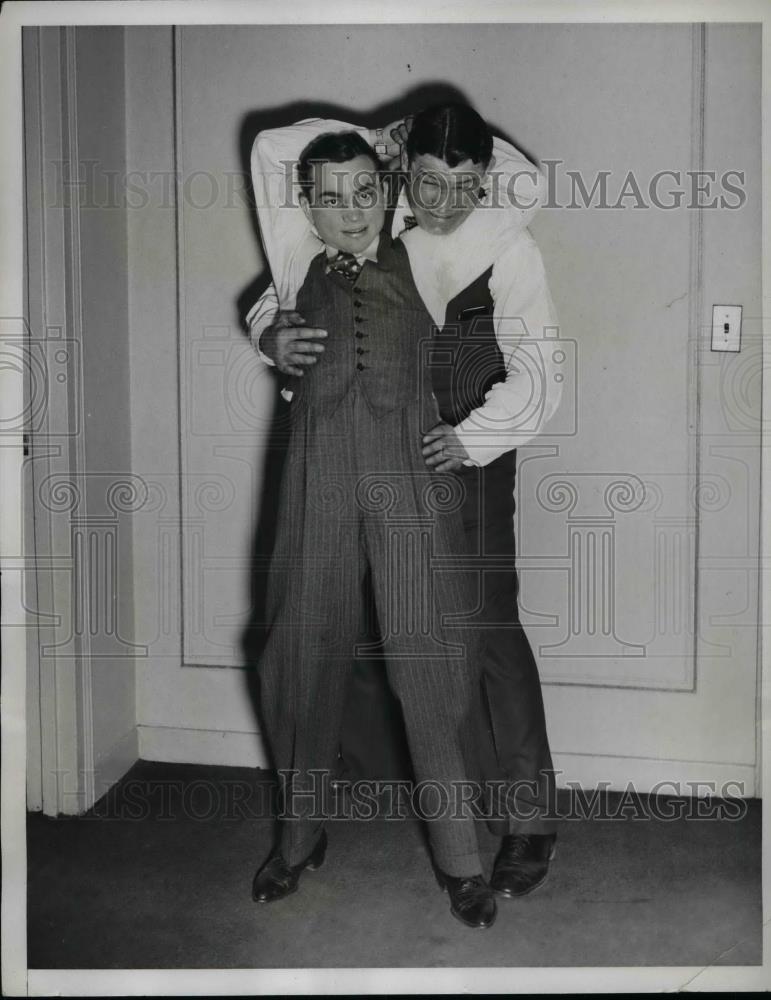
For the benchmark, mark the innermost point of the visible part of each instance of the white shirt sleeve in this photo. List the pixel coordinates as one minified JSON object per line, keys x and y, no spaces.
{"x":516,"y":410}
{"x":260,"y":317}
{"x":289,"y":241}
{"x":513,"y":182}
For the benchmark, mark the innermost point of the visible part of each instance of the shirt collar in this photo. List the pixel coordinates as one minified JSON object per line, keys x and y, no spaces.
{"x":368,"y":253}
{"x":401,"y":211}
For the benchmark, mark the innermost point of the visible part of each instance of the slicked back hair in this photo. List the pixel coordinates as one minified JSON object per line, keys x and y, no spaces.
{"x":451,"y":132}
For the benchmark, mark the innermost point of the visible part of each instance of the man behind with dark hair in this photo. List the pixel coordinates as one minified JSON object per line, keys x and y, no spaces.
{"x":454,"y":136}
{"x":451,"y":132}
{"x":496,"y":381}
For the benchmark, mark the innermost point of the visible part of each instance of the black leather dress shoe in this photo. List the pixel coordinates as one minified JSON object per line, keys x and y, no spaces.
{"x":471,"y":900}
{"x":276,"y":879}
{"x":522,"y":863}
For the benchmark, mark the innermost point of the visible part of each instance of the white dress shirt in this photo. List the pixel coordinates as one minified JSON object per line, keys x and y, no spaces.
{"x":514,"y":410}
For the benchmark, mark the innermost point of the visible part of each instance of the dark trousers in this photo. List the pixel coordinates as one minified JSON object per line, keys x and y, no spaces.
{"x":375,"y":743}
{"x":512,"y":746}
{"x":356,"y":493}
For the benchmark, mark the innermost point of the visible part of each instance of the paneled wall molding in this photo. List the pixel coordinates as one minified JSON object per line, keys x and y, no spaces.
{"x":593,"y":504}
{"x":591,"y":650}
{"x":635,"y":596}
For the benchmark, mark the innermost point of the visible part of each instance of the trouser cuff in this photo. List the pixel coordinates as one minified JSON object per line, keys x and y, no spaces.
{"x":297,"y":850}
{"x":459,"y":865}
{"x":537,"y":826}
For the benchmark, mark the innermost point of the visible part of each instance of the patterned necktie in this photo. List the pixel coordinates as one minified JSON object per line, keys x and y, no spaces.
{"x":346,"y":264}
{"x":410,"y":222}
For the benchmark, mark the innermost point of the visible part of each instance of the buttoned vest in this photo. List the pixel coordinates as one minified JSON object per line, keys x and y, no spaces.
{"x":378,"y":334}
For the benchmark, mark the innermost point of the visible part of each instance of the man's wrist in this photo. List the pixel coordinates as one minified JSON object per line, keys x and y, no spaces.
{"x":258,"y":332}
{"x":379,"y":143}
{"x":474,"y":455}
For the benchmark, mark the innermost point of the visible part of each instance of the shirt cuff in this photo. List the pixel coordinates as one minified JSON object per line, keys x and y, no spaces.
{"x":257,"y":326}
{"x":479,"y":448}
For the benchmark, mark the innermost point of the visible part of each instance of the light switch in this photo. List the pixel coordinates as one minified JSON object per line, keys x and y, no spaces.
{"x":726,"y":328}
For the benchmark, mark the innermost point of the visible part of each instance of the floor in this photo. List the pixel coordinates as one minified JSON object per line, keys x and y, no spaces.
{"x":158,"y":875}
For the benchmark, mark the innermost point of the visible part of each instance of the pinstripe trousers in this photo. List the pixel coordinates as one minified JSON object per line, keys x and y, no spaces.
{"x":356,"y":493}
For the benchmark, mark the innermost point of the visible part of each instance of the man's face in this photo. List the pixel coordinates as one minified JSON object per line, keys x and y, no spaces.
{"x":441,"y":196}
{"x":346,"y":204}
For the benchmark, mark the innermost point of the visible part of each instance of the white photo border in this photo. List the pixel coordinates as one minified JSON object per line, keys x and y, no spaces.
{"x":17,"y":980}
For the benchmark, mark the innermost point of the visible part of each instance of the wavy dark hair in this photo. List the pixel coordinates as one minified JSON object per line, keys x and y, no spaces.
{"x":331,"y":147}
{"x":451,"y":132}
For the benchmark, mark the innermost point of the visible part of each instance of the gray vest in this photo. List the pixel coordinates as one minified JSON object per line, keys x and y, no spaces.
{"x":379,"y":334}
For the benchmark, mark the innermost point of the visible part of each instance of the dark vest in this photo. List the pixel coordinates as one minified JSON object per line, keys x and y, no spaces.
{"x":466,"y":362}
{"x":378,"y":330}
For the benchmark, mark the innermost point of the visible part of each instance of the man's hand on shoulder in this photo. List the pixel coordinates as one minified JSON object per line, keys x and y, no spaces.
{"x":442,"y":450}
{"x":291,"y":344}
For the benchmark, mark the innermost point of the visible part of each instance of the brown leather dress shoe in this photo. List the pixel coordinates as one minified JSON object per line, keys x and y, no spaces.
{"x":276,"y":879}
{"x":471,"y":900}
{"x":522,"y":863}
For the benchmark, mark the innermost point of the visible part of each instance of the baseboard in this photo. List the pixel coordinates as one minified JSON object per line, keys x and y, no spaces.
{"x":111,"y":767}
{"x":665,"y":777}
{"x":202,"y":746}
{"x":669,"y":777}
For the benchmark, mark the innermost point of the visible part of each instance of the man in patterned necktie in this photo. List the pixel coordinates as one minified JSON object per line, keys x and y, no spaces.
{"x":356,"y":494}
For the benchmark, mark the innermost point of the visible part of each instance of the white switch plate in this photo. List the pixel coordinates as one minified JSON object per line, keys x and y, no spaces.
{"x":726,"y":328}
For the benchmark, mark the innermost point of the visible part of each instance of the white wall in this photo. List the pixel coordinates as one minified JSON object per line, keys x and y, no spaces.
{"x":633,"y":289}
